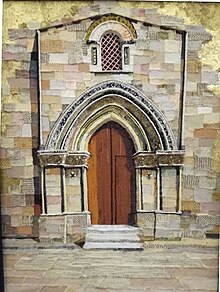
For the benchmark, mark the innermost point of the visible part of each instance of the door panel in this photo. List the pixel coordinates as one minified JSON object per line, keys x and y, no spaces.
{"x":123,"y":190}
{"x":99,"y":183}
{"x":111,"y":176}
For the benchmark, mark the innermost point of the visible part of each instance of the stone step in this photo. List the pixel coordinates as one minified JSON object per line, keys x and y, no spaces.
{"x":112,"y":237}
{"x":113,"y":229}
{"x":113,"y":245}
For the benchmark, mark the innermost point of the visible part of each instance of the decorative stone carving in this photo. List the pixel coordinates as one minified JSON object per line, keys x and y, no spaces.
{"x":51,"y":158}
{"x":115,"y":18}
{"x":169,"y":158}
{"x":145,"y":159}
{"x":107,"y":88}
{"x":63,"y":157}
{"x":77,"y":159}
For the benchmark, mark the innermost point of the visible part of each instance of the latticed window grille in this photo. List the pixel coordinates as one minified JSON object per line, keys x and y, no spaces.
{"x":111,"y":56}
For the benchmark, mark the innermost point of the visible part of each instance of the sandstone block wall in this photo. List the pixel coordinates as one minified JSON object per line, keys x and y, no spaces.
{"x":65,"y":74}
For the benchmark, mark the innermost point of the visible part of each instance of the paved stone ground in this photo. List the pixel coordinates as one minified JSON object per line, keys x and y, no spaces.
{"x":161,"y":266}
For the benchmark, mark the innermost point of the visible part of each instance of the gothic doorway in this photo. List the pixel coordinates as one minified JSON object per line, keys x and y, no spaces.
{"x":111,"y":176}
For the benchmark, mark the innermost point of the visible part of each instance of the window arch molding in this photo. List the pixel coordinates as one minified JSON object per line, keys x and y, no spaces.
{"x":127,"y":35}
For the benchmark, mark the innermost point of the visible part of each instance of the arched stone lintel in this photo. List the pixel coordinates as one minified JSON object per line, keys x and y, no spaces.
{"x":115,"y":23}
{"x":112,"y":26}
{"x":62,"y":128}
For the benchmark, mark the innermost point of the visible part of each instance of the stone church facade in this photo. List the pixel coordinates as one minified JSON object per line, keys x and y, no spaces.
{"x":108,"y":118}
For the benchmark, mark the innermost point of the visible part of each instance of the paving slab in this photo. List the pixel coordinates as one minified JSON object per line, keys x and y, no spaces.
{"x":161,"y":266}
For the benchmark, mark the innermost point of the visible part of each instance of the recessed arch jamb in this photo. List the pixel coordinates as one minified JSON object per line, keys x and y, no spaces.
{"x":104,"y":115}
{"x":129,"y":92}
{"x":68,"y":134}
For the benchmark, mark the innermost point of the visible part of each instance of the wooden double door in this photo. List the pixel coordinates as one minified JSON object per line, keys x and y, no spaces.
{"x":111,"y":176}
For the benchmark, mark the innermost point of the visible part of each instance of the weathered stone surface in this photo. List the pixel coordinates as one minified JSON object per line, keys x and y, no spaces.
{"x":190,"y":181}
{"x":190,"y":206}
{"x":59,"y":58}
{"x":154,"y":269}
{"x":199,"y":283}
{"x":199,"y":36}
{"x":21,"y":33}
{"x":51,"y":46}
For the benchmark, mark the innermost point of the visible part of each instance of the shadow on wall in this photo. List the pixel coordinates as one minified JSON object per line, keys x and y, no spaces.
{"x":35,"y":199}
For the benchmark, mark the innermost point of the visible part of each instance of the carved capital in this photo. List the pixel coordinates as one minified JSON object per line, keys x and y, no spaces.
{"x":145,"y":159}
{"x":56,"y":157}
{"x":170,"y":158}
{"x":77,"y":158}
{"x":51,"y":158}
{"x":160,"y":158}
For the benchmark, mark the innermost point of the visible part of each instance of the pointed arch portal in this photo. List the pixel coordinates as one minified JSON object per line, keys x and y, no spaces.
{"x":111,"y":176}
{"x":109,"y":147}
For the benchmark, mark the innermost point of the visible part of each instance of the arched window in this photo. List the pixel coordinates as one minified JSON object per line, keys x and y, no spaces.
{"x":111,"y":53}
{"x":111,"y":40}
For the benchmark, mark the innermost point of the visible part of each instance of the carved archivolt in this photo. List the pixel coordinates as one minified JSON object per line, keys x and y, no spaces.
{"x":83,"y":108}
{"x":114,"y":23}
{"x":102,"y":115}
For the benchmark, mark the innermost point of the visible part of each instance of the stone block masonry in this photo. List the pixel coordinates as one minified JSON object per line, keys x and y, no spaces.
{"x":155,"y":68}
{"x":20,"y":103}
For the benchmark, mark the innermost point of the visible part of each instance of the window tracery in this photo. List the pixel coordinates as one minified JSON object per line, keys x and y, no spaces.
{"x":111,"y":58}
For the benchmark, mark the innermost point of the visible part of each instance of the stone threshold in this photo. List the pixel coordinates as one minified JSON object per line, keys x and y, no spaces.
{"x":30,"y":244}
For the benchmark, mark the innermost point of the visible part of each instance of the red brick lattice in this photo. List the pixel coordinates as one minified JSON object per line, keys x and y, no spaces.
{"x":111,"y":52}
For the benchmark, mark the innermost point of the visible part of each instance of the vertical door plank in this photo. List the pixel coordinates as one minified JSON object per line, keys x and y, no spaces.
{"x":104,"y":175}
{"x":123,"y":176}
{"x":99,"y":177}
{"x":122,"y":190}
{"x":92,"y":182}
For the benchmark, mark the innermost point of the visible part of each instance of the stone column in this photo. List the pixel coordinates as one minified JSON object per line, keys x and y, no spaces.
{"x":179,"y":201}
{"x":158,"y":189}
{"x":78,"y":159}
{"x":138,"y":189}
{"x":85,"y":190}
{"x":49,"y":159}
{"x":42,"y":172}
